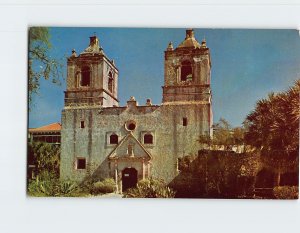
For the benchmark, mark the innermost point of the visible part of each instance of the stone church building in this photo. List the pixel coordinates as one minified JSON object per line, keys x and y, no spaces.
{"x":132,"y":142}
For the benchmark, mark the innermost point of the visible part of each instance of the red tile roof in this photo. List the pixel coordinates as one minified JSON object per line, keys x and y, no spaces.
{"x":47,"y":128}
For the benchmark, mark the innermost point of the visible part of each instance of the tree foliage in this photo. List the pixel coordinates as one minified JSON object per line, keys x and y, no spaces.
{"x":224,"y":136}
{"x":274,"y":123}
{"x":40,"y":62}
{"x":273,"y":129}
{"x":46,"y":158}
{"x":216,"y":173}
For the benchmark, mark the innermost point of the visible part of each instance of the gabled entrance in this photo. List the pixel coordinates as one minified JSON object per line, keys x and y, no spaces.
{"x":129,"y":162}
{"x":129,"y":178}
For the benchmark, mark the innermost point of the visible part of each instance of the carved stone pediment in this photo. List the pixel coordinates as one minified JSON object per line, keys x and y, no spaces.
{"x":130,"y":148}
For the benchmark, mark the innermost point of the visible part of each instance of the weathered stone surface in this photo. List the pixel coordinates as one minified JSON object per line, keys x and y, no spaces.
{"x":171,"y":139}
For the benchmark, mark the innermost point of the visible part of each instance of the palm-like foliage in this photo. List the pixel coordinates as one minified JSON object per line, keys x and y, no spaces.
{"x":273,"y":128}
{"x":295,"y":108}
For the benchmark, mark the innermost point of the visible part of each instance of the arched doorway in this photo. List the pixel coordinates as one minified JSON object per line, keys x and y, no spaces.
{"x":129,"y":178}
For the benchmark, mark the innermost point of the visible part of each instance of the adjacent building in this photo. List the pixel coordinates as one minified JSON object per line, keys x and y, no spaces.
{"x":44,"y":134}
{"x":47,"y":133}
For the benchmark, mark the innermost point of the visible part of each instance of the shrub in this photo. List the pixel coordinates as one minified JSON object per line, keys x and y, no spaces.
{"x":43,"y":188}
{"x":69,"y":188}
{"x":102,"y":187}
{"x":87,"y":185}
{"x":150,"y":188}
{"x":188,"y":186}
{"x":216,"y":174}
{"x":52,"y":188}
{"x":286,"y":192}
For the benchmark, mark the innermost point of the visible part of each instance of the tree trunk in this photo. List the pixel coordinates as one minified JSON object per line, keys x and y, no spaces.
{"x":254,"y":184}
{"x":277,"y":179}
{"x":218,"y":188}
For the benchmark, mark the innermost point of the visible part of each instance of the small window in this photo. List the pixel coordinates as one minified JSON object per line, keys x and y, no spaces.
{"x":113,"y":139}
{"x":184,"y":121}
{"x":148,"y":138}
{"x":81,"y":163}
{"x":82,"y":124}
{"x":131,"y":126}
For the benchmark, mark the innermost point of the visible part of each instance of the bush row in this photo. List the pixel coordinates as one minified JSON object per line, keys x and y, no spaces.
{"x":48,"y":186}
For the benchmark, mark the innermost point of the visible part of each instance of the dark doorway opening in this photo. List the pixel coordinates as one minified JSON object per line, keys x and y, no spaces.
{"x":129,"y":178}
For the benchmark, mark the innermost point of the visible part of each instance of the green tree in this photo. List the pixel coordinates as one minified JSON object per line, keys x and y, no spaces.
{"x":273,"y":129}
{"x":46,"y":158}
{"x":40,"y":62}
{"x":224,"y":135}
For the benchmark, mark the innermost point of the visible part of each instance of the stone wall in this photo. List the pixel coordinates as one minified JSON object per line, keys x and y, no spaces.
{"x":176,"y":125}
{"x":171,"y":138}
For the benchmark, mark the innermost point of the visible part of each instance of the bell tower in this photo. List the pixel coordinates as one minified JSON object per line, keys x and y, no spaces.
{"x":187,"y":71}
{"x":187,"y":83}
{"x":92,"y":78}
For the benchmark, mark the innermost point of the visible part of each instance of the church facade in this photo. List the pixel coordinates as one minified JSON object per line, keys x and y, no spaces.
{"x":101,"y":139}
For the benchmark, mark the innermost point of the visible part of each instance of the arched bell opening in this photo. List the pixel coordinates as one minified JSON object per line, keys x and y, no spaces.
{"x":186,"y":71}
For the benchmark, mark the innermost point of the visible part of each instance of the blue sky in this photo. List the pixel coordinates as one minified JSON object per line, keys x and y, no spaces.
{"x":246,"y":66}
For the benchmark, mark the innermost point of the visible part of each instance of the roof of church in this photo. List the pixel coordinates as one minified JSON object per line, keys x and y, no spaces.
{"x":189,"y":41}
{"x":47,"y":128}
